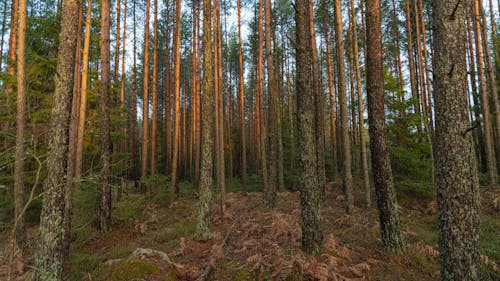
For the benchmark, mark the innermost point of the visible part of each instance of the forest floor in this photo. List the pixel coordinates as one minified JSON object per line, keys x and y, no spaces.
{"x":253,"y":243}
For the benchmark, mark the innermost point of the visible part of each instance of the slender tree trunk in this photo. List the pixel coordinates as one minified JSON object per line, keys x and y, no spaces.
{"x":492,"y":84}
{"x":177,"y":100}
{"x":331,"y":89}
{"x":154,"y":82}
{"x":207,"y":135}
{"x":477,"y":104}
{"x":4,"y":23}
{"x":401,"y":82}
{"x":19,"y":232}
{"x":133,"y":124}
{"x":11,"y":60}
{"x":196,"y":95}
{"x":271,"y":192}
{"x":362,"y":136}
{"x":413,"y":78}
{"x":241,"y":89}
{"x":457,"y":182}
{"x":319,"y":106}
{"x":104,"y":215}
{"x":346,"y":146}
{"x":260,"y":105}
{"x":390,"y":225}
{"x":117,"y":41}
{"x":12,"y":55}
{"x":168,"y":100}
{"x":310,"y":192}
{"x":83,"y":96}
{"x":48,"y":262}
{"x":123,"y":77}
{"x":73,"y":136}
{"x":488,"y":132}
{"x":145,"y":103}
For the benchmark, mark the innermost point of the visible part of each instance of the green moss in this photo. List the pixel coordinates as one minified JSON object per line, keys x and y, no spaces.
{"x":489,"y":239}
{"x":131,"y":269}
{"x":243,"y":274}
{"x":177,"y":230}
{"x":83,"y":264}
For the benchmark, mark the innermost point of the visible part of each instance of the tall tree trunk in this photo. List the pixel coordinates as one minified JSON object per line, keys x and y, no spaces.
{"x":346,"y":146}
{"x":12,"y":55}
{"x":413,"y":78}
{"x":117,"y":41}
{"x":133,"y":118}
{"x":48,"y":262}
{"x":331,"y":89}
{"x":154,"y":82}
{"x":401,"y":82}
{"x":457,"y":182}
{"x":196,"y":96}
{"x":145,"y":103}
{"x":219,"y":115}
{"x":104,"y":215}
{"x":123,"y":77}
{"x":477,"y":104}
{"x":207,"y":134}
{"x":168,"y":100}
{"x":488,"y":132}
{"x":262,"y":123}
{"x":390,"y":225}
{"x":73,"y":136}
{"x":83,"y":96}
{"x":362,"y":137}
{"x":11,"y":59}
{"x":19,"y":231}
{"x":310,"y":191}
{"x":492,"y":83}
{"x":241,"y":90}
{"x":271,"y":192}
{"x":177,"y":100}
{"x":319,"y":106}
{"x":4,"y":23}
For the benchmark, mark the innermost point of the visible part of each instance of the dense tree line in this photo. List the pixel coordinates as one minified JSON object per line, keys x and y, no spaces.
{"x":291,"y":94}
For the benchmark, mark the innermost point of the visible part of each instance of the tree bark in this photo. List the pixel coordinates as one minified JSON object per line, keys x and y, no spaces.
{"x":207,"y":134}
{"x":104,"y":215}
{"x":260,"y":105}
{"x":310,"y":192}
{"x":241,"y":90}
{"x":346,"y":146}
{"x":390,"y":225}
{"x":83,"y":96}
{"x":154,"y":82}
{"x":271,"y":192}
{"x":145,"y":103}
{"x":458,"y":188}
{"x":413,"y":78}
{"x":48,"y":262}
{"x":487,"y":126}
{"x":177,"y":100}
{"x":20,"y":127}
{"x":362,"y":137}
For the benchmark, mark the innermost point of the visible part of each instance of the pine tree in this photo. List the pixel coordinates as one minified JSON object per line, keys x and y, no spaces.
{"x":310,"y":191}
{"x":457,"y":182}
{"x":48,"y":260}
{"x":207,"y":140}
{"x":390,"y":225}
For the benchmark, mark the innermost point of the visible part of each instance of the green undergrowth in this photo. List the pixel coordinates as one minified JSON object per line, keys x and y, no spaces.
{"x":131,"y":269}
